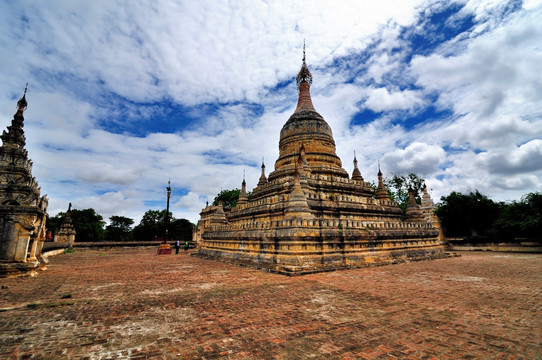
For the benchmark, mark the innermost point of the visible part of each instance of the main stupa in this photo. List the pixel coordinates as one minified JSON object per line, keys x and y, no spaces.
{"x":308,"y":215}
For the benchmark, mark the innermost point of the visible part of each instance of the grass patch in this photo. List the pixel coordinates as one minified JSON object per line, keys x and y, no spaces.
{"x":68,"y":251}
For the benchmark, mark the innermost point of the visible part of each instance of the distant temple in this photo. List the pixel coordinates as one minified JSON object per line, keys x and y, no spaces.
{"x":22,"y":209}
{"x":308,"y":215}
{"x":66,"y":233}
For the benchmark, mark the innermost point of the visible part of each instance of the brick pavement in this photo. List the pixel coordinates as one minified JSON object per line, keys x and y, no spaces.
{"x":131,"y":304}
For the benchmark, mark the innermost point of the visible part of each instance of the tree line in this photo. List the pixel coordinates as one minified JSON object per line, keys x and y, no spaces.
{"x":90,"y":226}
{"x":475,"y":215}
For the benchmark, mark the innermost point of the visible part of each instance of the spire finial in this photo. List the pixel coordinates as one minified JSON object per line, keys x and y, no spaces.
{"x":304,"y":74}
{"x":22,"y":104}
{"x":355,"y":160}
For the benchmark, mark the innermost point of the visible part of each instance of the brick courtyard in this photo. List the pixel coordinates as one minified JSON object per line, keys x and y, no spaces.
{"x":131,"y":304}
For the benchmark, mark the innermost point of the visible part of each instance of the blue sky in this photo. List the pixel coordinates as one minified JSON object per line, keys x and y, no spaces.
{"x":124,"y":95}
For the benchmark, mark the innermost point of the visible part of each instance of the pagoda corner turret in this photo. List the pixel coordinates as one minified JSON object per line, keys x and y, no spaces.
{"x":22,"y":208}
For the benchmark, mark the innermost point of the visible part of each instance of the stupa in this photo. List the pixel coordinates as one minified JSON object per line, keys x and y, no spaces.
{"x":66,"y":233}
{"x":308,"y":215}
{"x":22,"y":209}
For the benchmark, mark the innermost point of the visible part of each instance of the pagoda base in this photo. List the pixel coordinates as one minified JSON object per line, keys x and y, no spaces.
{"x":298,"y":251}
{"x":17,"y":269}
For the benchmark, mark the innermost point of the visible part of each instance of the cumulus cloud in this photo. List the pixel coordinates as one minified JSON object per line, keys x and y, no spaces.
{"x":525,"y":158}
{"x":419,"y":158}
{"x":107,"y":173}
{"x":381,"y":99}
{"x":493,"y":77}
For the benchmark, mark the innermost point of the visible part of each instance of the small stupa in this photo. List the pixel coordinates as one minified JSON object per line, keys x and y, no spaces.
{"x":66,"y":233}
{"x":22,"y":208}
{"x":308,"y":215}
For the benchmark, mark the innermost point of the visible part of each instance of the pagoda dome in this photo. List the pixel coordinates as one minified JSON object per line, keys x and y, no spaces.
{"x":307,"y":128}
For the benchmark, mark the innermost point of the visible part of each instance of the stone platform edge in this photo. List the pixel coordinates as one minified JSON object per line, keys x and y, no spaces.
{"x":268,"y":262}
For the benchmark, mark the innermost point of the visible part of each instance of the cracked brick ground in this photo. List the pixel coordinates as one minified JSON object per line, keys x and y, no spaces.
{"x":131,"y":304}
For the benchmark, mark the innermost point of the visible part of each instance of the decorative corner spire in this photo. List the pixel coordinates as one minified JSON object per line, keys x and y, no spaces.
{"x":297,"y":206}
{"x":243,"y":197}
{"x":381,"y":192}
{"x":22,"y":104}
{"x":356,"y":174}
{"x":263,"y":178}
{"x":413,"y":210}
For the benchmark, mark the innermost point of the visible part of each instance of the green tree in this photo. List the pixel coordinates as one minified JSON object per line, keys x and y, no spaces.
{"x":229,"y":198}
{"x":119,"y":228}
{"x":473,"y":214}
{"x":521,"y":218}
{"x":399,"y":185}
{"x":181,"y":229}
{"x":153,"y":223}
{"x":88,"y":224}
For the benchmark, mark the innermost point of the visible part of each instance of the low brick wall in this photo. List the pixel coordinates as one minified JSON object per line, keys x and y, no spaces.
{"x":476,"y":244}
{"x":55,"y":248}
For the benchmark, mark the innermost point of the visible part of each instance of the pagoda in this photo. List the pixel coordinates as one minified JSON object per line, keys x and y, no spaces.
{"x":66,"y":233}
{"x":309,"y":215}
{"x":23,"y":209}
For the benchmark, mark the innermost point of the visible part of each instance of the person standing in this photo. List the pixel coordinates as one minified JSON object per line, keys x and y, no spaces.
{"x":177,"y":246}
{"x":186,"y":245}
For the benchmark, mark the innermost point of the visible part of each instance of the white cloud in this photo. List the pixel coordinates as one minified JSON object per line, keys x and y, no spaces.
{"x":493,"y":77}
{"x":526,"y":158}
{"x":381,"y":99}
{"x":419,"y":158}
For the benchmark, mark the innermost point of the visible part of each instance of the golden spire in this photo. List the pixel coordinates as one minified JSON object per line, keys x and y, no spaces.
{"x":356,"y":174}
{"x":381,"y":192}
{"x":263,"y":179}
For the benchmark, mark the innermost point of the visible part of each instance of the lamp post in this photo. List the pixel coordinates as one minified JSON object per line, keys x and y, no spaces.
{"x":165,"y":249}
{"x":168,"y":189}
